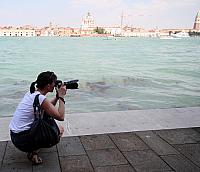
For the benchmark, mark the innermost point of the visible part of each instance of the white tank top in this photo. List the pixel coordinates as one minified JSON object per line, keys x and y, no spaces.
{"x":23,"y":116}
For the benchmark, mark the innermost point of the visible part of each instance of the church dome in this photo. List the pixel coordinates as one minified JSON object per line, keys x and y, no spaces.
{"x":88,"y":22}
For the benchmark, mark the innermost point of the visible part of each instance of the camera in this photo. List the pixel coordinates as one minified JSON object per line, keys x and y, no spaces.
{"x":73,"y":84}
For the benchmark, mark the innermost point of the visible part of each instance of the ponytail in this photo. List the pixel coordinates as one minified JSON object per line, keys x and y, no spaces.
{"x":32,"y":87}
{"x":43,"y":79}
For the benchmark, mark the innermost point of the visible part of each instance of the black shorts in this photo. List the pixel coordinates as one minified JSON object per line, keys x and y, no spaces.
{"x":23,"y":141}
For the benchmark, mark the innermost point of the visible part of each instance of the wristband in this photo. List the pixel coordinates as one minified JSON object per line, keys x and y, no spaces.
{"x":62,"y":99}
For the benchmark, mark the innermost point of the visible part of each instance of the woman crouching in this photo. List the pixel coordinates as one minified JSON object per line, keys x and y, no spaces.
{"x":24,"y":123}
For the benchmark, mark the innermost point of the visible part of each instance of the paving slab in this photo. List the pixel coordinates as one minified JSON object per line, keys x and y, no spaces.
{"x":180,"y":164}
{"x":160,"y":146}
{"x":115,"y":152}
{"x":191,"y":151}
{"x":13,"y":155}
{"x":2,"y":151}
{"x":197,"y":129}
{"x":50,"y":163}
{"x":17,"y":167}
{"x":95,"y":142}
{"x":45,"y":150}
{"x":118,"y":168}
{"x":78,"y":163}
{"x":106,"y":157}
{"x":146,"y":161}
{"x":128,"y":141}
{"x":70,"y":146}
{"x":179,"y":136}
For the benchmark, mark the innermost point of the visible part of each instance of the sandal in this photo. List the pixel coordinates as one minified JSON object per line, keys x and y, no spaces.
{"x":33,"y":156}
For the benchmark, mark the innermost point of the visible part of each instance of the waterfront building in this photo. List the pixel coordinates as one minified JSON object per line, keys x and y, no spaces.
{"x":113,"y":30}
{"x":197,"y":22}
{"x":27,"y":27}
{"x":48,"y":30}
{"x":127,"y":31}
{"x":139,"y":32}
{"x":62,"y":31}
{"x":17,"y":32}
{"x":37,"y":32}
{"x":76,"y":32}
{"x":87,"y":24}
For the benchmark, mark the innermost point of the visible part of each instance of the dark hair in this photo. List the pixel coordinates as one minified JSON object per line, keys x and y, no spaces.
{"x":43,"y":79}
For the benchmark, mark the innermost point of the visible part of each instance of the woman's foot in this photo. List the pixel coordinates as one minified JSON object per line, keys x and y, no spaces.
{"x":34,"y":158}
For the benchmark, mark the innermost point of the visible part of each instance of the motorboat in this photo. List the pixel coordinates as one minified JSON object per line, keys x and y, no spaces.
{"x":166,"y":37}
{"x":180,"y":35}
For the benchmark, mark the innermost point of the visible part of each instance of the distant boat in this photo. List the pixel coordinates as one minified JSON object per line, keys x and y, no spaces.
{"x":74,"y":35}
{"x":180,"y":35}
{"x":167,"y":37}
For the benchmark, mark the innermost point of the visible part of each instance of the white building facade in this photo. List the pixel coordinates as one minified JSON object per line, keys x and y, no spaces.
{"x":88,"y":23}
{"x":13,"y":32}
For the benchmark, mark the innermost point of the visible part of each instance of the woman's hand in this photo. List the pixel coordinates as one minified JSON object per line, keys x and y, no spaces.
{"x":61,"y":92}
{"x":57,"y":113}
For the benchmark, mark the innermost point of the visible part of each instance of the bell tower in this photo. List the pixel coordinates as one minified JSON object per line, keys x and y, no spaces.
{"x":197,"y":21}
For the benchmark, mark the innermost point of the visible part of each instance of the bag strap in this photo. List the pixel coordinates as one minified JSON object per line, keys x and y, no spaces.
{"x":37,"y":108}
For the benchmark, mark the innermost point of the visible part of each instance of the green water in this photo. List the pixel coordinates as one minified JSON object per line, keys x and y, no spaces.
{"x":114,"y":74}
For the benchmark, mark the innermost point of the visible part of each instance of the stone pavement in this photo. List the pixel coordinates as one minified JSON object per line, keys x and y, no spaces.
{"x":143,"y":151}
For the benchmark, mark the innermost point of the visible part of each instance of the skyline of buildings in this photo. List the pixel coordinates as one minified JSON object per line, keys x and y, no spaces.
{"x":88,"y":28}
{"x":122,"y":21}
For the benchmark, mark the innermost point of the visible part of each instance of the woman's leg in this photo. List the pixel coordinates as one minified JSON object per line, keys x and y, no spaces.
{"x":61,"y":128}
{"x":33,"y":156}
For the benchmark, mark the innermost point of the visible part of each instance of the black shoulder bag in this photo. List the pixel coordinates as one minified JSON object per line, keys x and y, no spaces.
{"x":44,"y":130}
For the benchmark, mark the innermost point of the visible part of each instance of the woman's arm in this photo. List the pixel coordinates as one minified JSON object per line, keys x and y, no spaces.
{"x":49,"y":108}
{"x":54,"y":101}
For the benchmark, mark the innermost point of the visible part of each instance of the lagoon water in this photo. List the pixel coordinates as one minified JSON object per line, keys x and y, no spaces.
{"x":114,"y":74}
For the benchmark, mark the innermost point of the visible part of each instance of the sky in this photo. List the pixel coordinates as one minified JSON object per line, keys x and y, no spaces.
{"x":69,"y":13}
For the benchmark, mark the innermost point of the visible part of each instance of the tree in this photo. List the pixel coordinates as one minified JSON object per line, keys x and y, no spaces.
{"x":193,"y":33}
{"x":99,"y":30}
